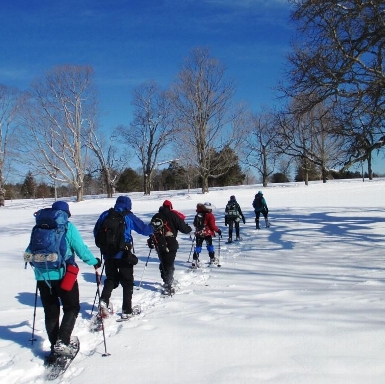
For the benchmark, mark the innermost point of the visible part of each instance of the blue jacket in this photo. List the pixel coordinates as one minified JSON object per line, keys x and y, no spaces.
{"x":123,"y":204}
{"x":75,"y":246}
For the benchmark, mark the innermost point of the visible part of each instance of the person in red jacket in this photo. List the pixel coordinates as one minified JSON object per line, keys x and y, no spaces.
{"x":205,"y":229}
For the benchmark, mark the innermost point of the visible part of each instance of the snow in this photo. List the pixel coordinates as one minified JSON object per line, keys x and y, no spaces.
{"x":300,"y":302}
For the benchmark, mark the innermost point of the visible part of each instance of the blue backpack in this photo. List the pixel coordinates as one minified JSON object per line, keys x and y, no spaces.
{"x":48,"y":246}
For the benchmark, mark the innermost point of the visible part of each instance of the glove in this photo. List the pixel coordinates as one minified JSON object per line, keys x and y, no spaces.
{"x":150,"y":243}
{"x":98,"y":264}
{"x":243,"y":219}
{"x":219,"y":232}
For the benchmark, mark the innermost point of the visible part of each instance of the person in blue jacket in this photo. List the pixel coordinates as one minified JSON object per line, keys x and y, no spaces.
{"x":120,"y":267}
{"x":51,"y":292}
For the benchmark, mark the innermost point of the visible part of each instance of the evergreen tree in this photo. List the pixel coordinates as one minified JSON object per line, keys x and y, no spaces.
{"x":28,"y":188}
{"x":129,"y":181}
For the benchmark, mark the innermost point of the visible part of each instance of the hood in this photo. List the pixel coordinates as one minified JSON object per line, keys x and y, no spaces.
{"x":123,"y":203}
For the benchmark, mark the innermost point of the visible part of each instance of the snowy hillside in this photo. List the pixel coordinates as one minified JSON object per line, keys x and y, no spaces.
{"x":300,"y":302}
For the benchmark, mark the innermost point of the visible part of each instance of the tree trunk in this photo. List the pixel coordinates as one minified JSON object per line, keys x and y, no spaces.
{"x":79,"y":194}
{"x":370,"y":169}
{"x":205,"y":184}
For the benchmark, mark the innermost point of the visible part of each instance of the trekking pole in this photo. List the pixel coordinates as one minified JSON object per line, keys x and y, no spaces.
{"x":32,"y":339}
{"x":101,"y":318}
{"x":219,"y":251}
{"x":98,"y":281}
{"x":145,"y":267}
{"x":192,"y":246}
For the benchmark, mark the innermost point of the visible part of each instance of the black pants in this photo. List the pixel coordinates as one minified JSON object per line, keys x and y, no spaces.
{"x":51,"y":299}
{"x":209,"y":245}
{"x":166,"y":266}
{"x":233,"y":223}
{"x":119,"y":271}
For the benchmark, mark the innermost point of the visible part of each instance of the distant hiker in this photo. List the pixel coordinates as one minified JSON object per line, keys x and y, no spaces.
{"x":112,"y":234}
{"x":260,"y":206}
{"x":205,"y":229}
{"x":50,"y":262}
{"x":166,"y":223}
{"x":233,"y":215}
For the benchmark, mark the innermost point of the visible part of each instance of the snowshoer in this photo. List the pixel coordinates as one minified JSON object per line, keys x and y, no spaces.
{"x":233,"y":215}
{"x":205,"y":229}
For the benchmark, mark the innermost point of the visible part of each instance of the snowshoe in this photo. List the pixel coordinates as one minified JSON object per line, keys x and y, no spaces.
{"x":58,"y":364}
{"x":136,"y":310}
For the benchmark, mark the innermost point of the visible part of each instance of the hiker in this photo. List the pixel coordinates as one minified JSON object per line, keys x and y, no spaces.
{"x":52,"y":280}
{"x":233,"y":215}
{"x":119,"y":260}
{"x":260,"y":206}
{"x":205,"y":229}
{"x":167,"y":222}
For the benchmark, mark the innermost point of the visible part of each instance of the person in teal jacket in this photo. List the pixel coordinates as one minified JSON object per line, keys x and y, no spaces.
{"x":51,"y":293}
{"x":260,"y":206}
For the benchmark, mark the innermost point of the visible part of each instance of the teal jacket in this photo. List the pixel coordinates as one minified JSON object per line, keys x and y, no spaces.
{"x":75,"y":246}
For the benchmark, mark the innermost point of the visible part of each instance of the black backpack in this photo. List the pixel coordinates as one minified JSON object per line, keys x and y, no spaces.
{"x":110,"y":236}
{"x":199,"y":221}
{"x":257,"y":203}
{"x":161,"y":232}
{"x":232,"y":211}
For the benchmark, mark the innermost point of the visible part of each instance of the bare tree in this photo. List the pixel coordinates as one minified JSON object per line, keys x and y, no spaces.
{"x":151,"y":130}
{"x":260,"y":145}
{"x":310,"y":138}
{"x":106,"y":155}
{"x":9,"y":105}
{"x":57,"y":107}
{"x":201,"y":98}
{"x":338,"y":56}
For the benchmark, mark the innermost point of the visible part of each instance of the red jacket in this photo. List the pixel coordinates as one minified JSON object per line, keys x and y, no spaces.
{"x":210,"y":226}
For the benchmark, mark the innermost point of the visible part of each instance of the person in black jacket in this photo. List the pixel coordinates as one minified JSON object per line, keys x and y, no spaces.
{"x":167,"y":222}
{"x":233,"y":215}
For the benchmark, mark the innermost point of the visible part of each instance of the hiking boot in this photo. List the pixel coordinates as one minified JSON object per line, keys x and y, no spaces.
{"x":237,"y":238}
{"x":229,"y":240}
{"x":104,"y":309}
{"x":168,"y":289}
{"x":126,"y":316}
{"x":51,"y":358}
{"x":214,"y":261}
{"x":63,"y":349}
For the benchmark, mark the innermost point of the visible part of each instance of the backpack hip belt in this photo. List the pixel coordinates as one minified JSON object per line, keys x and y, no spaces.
{"x":40,"y":257}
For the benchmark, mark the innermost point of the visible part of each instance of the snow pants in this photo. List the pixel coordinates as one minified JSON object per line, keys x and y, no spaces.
{"x":166,"y":266}
{"x":51,"y":298}
{"x":119,"y":271}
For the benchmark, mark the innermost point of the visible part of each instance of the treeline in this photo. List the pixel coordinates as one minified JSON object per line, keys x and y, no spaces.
{"x":172,"y":178}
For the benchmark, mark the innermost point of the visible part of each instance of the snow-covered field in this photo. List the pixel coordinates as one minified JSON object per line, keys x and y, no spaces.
{"x":300,"y":302}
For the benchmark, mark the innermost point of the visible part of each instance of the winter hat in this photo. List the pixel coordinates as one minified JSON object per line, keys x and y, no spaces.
{"x":208,"y":206}
{"x":260,"y":193}
{"x":62,"y":206}
{"x":167,"y":203}
{"x":123,"y":203}
{"x":232,"y":197}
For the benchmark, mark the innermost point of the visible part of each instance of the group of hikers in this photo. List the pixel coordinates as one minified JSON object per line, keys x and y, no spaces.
{"x":55,"y":241}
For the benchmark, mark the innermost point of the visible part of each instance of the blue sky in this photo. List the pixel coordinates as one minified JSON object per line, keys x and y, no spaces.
{"x":129,"y":42}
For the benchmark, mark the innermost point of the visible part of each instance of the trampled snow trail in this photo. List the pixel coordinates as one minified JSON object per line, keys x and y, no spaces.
{"x":299,"y":302}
